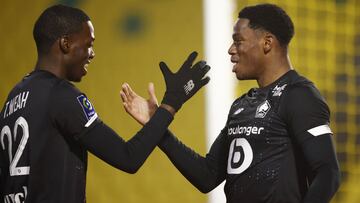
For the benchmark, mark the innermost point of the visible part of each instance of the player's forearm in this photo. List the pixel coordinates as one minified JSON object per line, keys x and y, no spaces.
{"x":321,"y":157}
{"x":195,"y":168}
{"x":143,"y":143}
{"x":324,"y":185}
{"x":127,"y":156}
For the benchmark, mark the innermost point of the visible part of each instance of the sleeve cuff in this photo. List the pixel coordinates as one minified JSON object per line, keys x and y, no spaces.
{"x":161,"y":117}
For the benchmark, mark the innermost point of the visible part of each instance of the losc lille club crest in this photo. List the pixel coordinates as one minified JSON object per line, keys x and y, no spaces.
{"x":262,"y":109}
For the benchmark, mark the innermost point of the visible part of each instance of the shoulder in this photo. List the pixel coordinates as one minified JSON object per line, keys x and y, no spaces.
{"x":301,"y":89}
{"x":238,"y":102}
{"x":244,"y":96}
{"x":70,"y":107}
{"x":64,"y":91}
{"x":64,"y":95}
{"x":302,"y":97}
{"x":64,"y":86}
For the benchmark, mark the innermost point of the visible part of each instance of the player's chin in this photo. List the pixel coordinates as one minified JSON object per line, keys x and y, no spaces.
{"x":238,"y":72}
{"x":241,"y":75}
{"x":242,"y":72}
{"x":77,"y":77}
{"x":83,"y":71}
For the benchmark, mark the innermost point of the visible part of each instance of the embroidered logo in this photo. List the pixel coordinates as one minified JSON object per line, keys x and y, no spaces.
{"x":277,"y":91}
{"x":189,"y":86}
{"x":238,"y":111}
{"x":88,"y":109}
{"x":262,"y":109}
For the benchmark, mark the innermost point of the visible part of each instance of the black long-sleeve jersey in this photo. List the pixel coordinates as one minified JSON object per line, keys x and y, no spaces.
{"x":47,"y":126}
{"x":276,"y":147}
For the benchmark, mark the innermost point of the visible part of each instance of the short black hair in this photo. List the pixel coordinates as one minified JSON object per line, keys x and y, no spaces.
{"x":57,"y":21}
{"x":271,"y":18}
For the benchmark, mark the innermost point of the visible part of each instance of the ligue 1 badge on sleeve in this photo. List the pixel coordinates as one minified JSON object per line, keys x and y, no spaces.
{"x":86,"y":105}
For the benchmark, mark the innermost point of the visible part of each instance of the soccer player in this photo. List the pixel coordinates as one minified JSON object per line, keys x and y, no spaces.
{"x":47,"y":125}
{"x":276,"y":146}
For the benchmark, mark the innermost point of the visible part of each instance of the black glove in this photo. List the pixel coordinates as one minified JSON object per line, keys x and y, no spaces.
{"x":183,"y":84}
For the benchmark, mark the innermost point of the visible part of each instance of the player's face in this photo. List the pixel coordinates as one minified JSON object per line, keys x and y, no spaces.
{"x":80,"y":53}
{"x":246,"y":51}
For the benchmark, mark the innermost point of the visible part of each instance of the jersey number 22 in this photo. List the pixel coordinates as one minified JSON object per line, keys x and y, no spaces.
{"x":14,"y":170}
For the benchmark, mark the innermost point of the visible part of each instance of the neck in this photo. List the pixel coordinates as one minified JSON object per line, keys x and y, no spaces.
{"x":274,"y":70}
{"x":50,"y":64}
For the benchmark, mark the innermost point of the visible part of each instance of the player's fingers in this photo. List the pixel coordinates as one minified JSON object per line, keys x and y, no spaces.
{"x":123,"y":97}
{"x":125,"y":101}
{"x":151,"y":91}
{"x":125,"y":89}
{"x":131,"y":92}
{"x":204,"y":81}
{"x":165,"y":69}
{"x":190,"y":60}
{"x":126,"y":107}
{"x":204,"y":70}
{"x":199,"y":69}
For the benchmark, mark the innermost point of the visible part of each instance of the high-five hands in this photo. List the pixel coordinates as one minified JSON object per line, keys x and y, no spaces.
{"x":138,"y":107}
{"x":183,"y":84}
{"x":180,"y":86}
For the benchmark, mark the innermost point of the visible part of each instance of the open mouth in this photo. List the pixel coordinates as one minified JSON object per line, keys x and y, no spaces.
{"x":86,"y":65}
{"x":234,"y":64}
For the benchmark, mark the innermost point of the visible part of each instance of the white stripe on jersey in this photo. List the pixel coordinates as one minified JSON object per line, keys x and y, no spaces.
{"x":320,"y":130}
{"x":92,"y":119}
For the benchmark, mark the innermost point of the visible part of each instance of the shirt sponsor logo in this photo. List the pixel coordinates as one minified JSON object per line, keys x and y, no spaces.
{"x":277,"y":91}
{"x":262,"y":109}
{"x":87,"y":107}
{"x":245,"y":130}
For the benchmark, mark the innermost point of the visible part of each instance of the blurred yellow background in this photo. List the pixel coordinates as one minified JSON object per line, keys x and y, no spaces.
{"x":132,"y":36}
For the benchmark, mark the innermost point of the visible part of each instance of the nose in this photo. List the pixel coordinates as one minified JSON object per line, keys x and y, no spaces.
{"x":232,"y":49}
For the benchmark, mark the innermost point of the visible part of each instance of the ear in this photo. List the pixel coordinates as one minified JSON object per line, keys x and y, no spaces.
{"x":64,"y":44}
{"x":268,"y":42}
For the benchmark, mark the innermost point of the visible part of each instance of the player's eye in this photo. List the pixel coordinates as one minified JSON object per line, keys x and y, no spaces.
{"x":237,"y":42}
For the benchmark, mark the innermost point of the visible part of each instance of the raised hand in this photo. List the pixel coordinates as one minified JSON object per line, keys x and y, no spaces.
{"x":183,"y":84}
{"x":138,"y":107}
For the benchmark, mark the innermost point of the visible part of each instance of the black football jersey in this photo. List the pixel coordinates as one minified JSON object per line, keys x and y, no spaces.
{"x":276,"y":147}
{"x":264,"y":132}
{"x":39,"y":157}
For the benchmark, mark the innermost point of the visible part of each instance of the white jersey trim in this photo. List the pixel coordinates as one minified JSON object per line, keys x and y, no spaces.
{"x":92,"y":119}
{"x":320,"y":130}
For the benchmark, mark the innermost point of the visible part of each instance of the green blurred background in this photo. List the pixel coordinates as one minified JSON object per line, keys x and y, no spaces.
{"x":132,"y":36}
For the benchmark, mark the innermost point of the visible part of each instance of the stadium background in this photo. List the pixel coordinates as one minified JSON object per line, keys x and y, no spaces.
{"x":132,"y":36}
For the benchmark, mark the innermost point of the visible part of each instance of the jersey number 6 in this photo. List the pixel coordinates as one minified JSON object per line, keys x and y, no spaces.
{"x":14,"y":170}
{"x":240,"y":156}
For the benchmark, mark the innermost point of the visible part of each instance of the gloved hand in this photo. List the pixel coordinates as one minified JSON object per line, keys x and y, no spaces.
{"x":183,"y":84}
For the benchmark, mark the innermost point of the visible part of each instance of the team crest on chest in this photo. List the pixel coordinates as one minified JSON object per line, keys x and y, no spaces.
{"x":262,"y":109}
